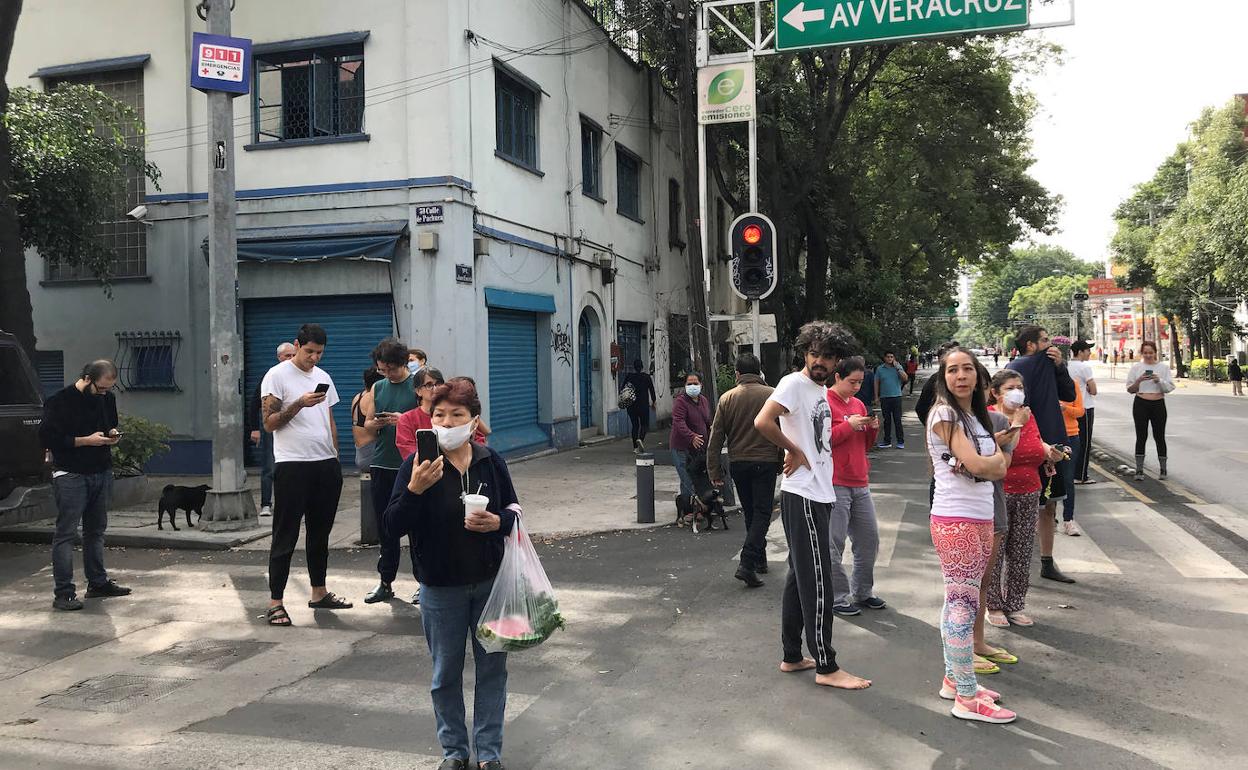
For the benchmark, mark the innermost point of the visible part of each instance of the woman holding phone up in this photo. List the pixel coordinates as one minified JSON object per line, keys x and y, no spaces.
{"x":458,"y":554}
{"x":1149,"y":379}
{"x":965,"y":460}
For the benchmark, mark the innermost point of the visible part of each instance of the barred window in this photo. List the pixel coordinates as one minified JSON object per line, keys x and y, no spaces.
{"x":591,"y":159}
{"x":308,"y":94}
{"x":627,"y":183}
{"x":515,"y":107}
{"x":126,"y":237}
{"x":146,"y":360}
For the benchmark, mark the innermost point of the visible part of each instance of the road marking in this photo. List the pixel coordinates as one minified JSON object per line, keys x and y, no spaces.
{"x":1083,"y":555}
{"x":1137,"y":494}
{"x":1186,"y":554}
{"x":888,"y":517}
{"x":1220,"y":514}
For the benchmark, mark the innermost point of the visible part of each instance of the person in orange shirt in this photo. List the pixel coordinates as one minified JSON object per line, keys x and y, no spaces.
{"x":1071,"y":412}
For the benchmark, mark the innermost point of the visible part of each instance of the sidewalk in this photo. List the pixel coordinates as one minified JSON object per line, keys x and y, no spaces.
{"x":584,"y":490}
{"x":1110,"y":373}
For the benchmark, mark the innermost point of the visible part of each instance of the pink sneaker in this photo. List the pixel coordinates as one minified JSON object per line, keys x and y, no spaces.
{"x":948,"y":689}
{"x":980,"y":709}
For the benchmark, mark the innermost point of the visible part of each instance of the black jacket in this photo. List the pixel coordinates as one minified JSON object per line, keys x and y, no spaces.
{"x":643,"y":386}
{"x":446,"y":553}
{"x":68,"y":414}
{"x":1045,"y":384}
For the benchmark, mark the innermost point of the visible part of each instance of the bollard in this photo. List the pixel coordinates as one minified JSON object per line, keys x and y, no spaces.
{"x":645,"y":488}
{"x":368,"y":519}
{"x":727,"y":491}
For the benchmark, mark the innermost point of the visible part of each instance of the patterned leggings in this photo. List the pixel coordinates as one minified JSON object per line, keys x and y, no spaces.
{"x":1011,"y":575}
{"x":963,"y":548}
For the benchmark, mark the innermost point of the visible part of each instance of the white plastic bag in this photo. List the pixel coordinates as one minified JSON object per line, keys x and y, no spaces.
{"x":522,"y":611}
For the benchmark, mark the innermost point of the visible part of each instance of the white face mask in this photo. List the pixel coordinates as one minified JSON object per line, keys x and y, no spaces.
{"x":1015,"y":398}
{"x":693,"y":391}
{"x":451,"y":439}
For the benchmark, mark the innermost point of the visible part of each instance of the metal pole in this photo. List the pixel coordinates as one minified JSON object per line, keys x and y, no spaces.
{"x":229,"y":505}
{"x":757,"y":335}
{"x":702,"y":227}
{"x":645,"y":488}
{"x":754,"y":164}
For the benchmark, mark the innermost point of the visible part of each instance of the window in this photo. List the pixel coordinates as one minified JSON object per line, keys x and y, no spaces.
{"x":50,"y":366}
{"x":720,"y":242}
{"x":591,"y":159}
{"x":145,"y":360}
{"x":311,"y":93}
{"x":627,"y":183}
{"x":675,"y":227}
{"x":515,"y":115}
{"x":126,"y":237}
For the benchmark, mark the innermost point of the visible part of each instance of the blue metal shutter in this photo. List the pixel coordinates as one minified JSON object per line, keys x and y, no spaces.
{"x":354,"y":325}
{"x":50,"y":366}
{"x":513,"y":382}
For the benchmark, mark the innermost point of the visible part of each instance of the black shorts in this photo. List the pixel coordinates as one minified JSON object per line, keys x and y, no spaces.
{"x":1052,"y":488}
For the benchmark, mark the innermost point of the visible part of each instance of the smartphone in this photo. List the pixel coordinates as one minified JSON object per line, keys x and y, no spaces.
{"x":1148,"y":372}
{"x":322,"y":388}
{"x":426,"y":445}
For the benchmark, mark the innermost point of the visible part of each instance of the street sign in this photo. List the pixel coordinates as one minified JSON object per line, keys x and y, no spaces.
{"x":743,"y":331}
{"x":726,"y":93}
{"x":429,"y":214}
{"x":1102,"y":286}
{"x":220,"y":63}
{"x":817,"y":23}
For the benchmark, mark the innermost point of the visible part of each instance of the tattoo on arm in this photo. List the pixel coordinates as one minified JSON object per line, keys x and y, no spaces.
{"x":274,"y":416}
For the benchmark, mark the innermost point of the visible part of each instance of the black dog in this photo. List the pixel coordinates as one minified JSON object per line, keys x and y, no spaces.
{"x":173,"y":498}
{"x":705,"y":503}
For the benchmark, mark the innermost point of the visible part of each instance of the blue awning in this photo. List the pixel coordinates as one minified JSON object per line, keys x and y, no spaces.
{"x":95,"y":65}
{"x":313,"y":243}
{"x":519,"y":300}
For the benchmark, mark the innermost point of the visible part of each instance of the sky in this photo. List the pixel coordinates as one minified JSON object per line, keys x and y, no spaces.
{"x":1136,"y":74}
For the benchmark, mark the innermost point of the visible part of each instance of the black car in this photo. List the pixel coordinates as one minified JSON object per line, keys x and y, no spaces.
{"x":21,"y":412}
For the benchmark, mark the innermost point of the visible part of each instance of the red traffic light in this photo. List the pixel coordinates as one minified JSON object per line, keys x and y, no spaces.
{"x":752,"y":234}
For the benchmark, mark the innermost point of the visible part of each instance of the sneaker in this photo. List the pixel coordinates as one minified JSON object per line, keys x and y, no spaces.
{"x":266,"y":511}
{"x":1139,"y":477}
{"x":67,"y":603}
{"x":873,"y":603}
{"x":1071,"y":528}
{"x":882,"y":446}
{"x":948,"y":690}
{"x":900,"y":445}
{"x":382,"y":593}
{"x":980,"y":709}
{"x":846,"y":610}
{"x":105,"y":590}
{"x":453,"y":763}
{"x":416,"y":599}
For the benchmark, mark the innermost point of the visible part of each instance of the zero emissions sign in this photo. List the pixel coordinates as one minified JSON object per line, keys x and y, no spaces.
{"x":817,"y":23}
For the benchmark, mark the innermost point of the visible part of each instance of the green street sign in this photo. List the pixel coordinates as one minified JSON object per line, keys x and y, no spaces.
{"x":817,"y":23}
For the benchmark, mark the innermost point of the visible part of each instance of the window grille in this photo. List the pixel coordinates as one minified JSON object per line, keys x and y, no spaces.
{"x":515,"y":105}
{"x":147,"y":360}
{"x":308,"y":94}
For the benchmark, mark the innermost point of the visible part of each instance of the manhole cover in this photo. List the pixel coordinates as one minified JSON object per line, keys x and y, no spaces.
{"x":206,"y":653}
{"x":114,"y":694}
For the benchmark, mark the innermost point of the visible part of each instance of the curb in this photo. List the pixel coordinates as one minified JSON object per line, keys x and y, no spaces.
{"x":128,"y":540}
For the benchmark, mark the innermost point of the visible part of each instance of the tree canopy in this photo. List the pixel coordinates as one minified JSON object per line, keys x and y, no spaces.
{"x":992,"y":296}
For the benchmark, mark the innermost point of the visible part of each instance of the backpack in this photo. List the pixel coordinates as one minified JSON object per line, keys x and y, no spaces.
{"x":628,"y":396}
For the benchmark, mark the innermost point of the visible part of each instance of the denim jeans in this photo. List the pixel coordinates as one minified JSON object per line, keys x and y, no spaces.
{"x":266,"y":469}
{"x":450,"y":615}
{"x":679,"y":459}
{"x":756,"y":492}
{"x":890,"y":420}
{"x":80,"y":498}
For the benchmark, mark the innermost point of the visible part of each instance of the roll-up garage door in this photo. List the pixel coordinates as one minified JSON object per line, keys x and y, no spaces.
{"x":354,"y":325}
{"x":514,"y":382}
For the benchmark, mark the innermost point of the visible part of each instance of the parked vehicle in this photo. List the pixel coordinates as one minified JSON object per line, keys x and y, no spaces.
{"x":21,"y":412}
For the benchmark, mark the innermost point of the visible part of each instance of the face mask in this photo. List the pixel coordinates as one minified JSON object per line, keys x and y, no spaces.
{"x":1015,"y":398}
{"x":693,"y":391}
{"x":451,"y":439}
{"x":414,"y":366}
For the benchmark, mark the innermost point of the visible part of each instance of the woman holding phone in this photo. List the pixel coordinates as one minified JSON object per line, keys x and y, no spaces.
{"x":458,"y":554}
{"x":1150,"y":381}
{"x":965,"y":460}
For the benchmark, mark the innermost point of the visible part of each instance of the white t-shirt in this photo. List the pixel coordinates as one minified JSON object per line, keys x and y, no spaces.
{"x":808,"y":424}
{"x":1163,"y":383}
{"x":958,"y":497}
{"x":1081,"y":372}
{"x":309,"y":436}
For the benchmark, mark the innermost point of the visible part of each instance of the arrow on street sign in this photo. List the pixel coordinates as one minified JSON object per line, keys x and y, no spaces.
{"x":799,"y":17}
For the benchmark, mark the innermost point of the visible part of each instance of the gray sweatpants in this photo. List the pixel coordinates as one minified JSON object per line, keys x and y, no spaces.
{"x":853,"y":516}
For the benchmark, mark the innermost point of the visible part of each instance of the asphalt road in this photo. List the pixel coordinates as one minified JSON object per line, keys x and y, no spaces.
{"x":667,"y":661}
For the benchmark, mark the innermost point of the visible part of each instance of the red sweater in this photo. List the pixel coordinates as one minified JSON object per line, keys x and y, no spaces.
{"x":850,"y":466}
{"x":412,"y":421}
{"x":1023,"y":475}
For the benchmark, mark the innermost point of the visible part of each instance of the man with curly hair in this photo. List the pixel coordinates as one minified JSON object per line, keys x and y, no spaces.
{"x":797,"y":419}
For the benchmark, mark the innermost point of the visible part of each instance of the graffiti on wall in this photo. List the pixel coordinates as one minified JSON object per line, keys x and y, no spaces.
{"x":561,"y":343}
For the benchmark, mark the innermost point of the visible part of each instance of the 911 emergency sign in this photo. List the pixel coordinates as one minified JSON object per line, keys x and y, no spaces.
{"x":220,"y":63}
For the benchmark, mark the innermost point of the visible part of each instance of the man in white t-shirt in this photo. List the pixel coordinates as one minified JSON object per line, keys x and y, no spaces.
{"x":1081,"y":372}
{"x":804,"y":432}
{"x":296,"y":399}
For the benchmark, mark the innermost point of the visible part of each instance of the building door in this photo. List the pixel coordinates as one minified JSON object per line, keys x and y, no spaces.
{"x":585,"y":338}
{"x":514,"y":383}
{"x":631,"y":338}
{"x":354,"y":325}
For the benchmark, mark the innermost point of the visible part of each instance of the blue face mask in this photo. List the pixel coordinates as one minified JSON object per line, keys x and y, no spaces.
{"x":693,"y":391}
{"x":414,"y":366}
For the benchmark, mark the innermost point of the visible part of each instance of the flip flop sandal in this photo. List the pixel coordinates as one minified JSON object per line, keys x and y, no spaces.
{"x":330,"y":602}
{"x":1019,"y":619}
{"x":985,"y":666}
{"x":998,"y":619}
{"x":278,"y":616}
{"x":1001,"y":656}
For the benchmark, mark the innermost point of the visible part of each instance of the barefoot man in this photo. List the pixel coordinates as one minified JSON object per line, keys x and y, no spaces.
{"x":804,"y":432}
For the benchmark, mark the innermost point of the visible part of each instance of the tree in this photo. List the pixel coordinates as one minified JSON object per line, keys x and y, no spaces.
{"x":1049,"y":299}
{"x":994,"y":290}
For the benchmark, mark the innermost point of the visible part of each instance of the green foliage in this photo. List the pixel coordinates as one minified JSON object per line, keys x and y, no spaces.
{"x":70,"y":158}
{"x":1200,"y":369}
{"x":994,"y":290}
{"x":141,"y":440}
{"x":725,"y":378}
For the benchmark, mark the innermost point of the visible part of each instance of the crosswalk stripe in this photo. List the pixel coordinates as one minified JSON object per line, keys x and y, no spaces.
{"x":1220,"y":514}
{"x":1083,"y":555}
{"x":889,"y":510}
{"x":1185,"y":553}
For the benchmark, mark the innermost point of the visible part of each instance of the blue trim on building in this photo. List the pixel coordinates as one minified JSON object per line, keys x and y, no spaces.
{"x":314,"y":189}
{"x":518,"y":300}
{"x":96,"y":65}
{"x":506,"y":237}
{"x":184,"y":458}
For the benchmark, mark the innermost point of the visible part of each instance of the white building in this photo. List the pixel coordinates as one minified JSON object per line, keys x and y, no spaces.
{"x":495,"y":182}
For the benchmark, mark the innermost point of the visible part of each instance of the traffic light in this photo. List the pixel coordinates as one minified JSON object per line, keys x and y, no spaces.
{"x":754,"y":268}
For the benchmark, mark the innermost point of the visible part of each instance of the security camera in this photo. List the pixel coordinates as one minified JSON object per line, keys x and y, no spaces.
{"x":138,"y":213}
